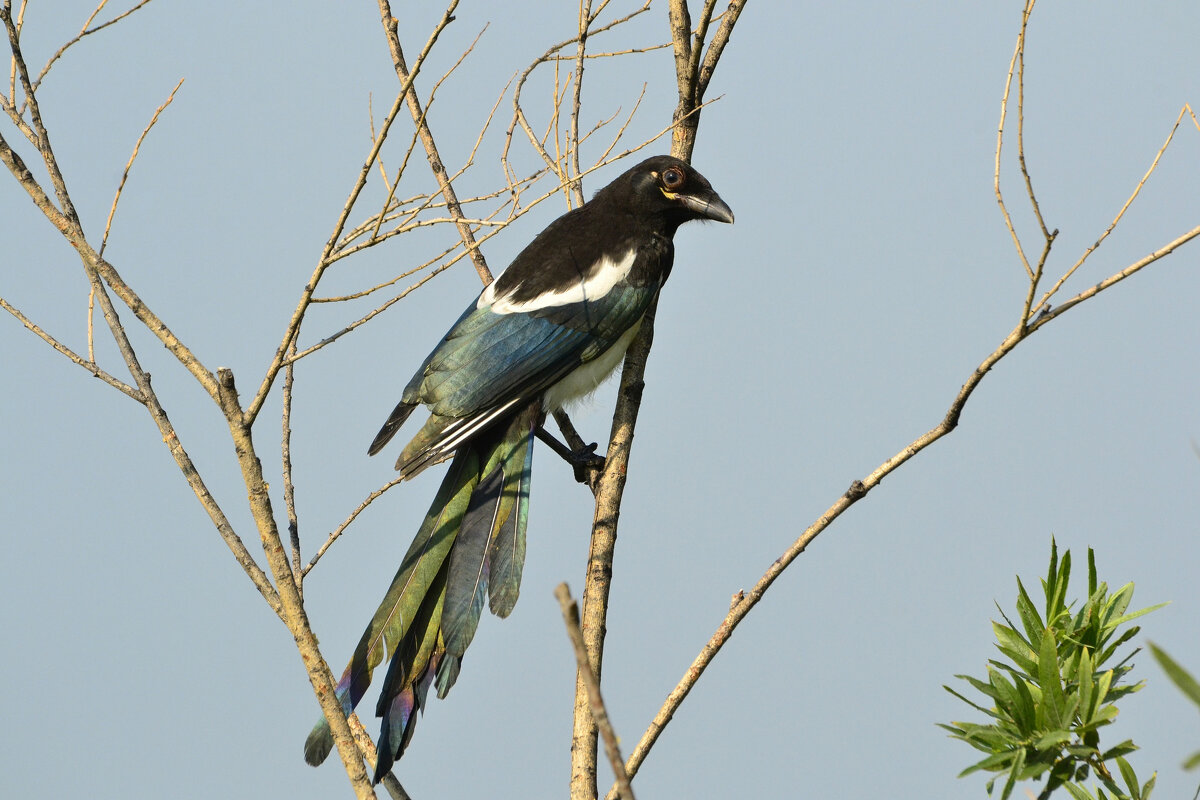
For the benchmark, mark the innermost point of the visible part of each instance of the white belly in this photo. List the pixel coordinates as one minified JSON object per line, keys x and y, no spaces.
{"x":585,"y":378}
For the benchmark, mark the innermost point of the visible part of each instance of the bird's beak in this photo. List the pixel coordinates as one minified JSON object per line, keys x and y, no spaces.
{"x":709,"y":206}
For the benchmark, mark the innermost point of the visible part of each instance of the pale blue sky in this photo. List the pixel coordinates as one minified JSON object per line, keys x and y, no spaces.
{"x":868,"y":273}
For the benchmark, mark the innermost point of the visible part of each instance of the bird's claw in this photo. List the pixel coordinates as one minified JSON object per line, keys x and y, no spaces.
{"x":585,"y":460}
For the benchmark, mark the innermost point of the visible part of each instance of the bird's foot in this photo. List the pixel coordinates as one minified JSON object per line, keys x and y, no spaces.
{"x":586,"y":462}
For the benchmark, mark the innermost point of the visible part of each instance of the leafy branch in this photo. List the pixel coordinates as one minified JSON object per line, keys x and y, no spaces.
{"x":1056,"y":688}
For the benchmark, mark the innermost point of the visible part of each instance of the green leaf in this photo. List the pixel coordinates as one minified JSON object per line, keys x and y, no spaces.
{"x":1056,"y":591}
{"x":1024,"y":706}
{"x":1110,"y":784}
{"x":1007,"y":699}
{"x":1135,"y":614}
{"x":1018,"y":763}
{"x":1148,"y":786}
{"x":1178,"y":675}
{"x":993,"y":763}
{"x":1077,"y":792}
{"x":1117,"y":604}
{"x":1050,"y":740}
{"x":1130,"y":778}
{"x":1091,"y":572}
{"x":1104,"y":715}
{"x":1116,"y":751}
{"x":1193,"y":761}
{"x":985,"y":688}
{"x":1103,"y":686}
{"x":1014,"y":645}
{"x":1029,"y":616}
{"x":971,"y":703}
{"x":1087,"y":687}
{"x":1050,"y":681}
{"x":1108,"y":652}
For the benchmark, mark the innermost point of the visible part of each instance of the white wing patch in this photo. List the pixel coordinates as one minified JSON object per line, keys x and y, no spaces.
{"x":607,"y":276}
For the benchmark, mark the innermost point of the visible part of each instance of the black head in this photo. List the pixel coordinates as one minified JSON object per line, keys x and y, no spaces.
{"x":669,"y":191}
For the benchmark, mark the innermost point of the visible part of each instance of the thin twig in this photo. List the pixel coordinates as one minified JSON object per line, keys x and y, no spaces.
{"x":551,"y":54}
{"x":570,"y":613}
{"x":41,"y":138}
{"x":85,"y":31}
{"x":417,"y":128}
{"x":340,"y":529}
{"x":88,"y":364}
{"x":129,"y":164}
{"x":1100,"y":239}
{"x":333,"y":337}
{"x":91,"y":327}
{"x":391,"y":29}
{"x":585,"y":19}
{"x":289,"y":486}
{"x":1049,"y":314}
{"x":1012,"y":66}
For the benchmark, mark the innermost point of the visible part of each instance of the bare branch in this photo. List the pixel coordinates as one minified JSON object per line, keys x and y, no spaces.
{"x":88,"y":364}
{"x":42,"y":138}
{"x":1042,"y":303}
{"x":91,"y":324}
{"x":1049,"y":314}
{"x":291,"y":359}
{"x":585,"y":19}
{"x":148,"y":318}
{"x":293,"y":613}
{"x":391,"y":26}
{"x":85,"y":31}
{"x":1012,"y":66}
{"x":570,"y":613}
{"x":721,"y":38}
{"x":340,"y":529}
{"x":289,"y":487}
{"x":129,"y":164}
{"x":15,"y":165}
{"x":171,"y":440}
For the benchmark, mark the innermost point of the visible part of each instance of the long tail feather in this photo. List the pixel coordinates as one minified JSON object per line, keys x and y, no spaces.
{"x":470,"y":546}
{"x":507,"y":552}
{"x":412,"y":667}
{"x":467,"y":581}
{"x":394,"y":617}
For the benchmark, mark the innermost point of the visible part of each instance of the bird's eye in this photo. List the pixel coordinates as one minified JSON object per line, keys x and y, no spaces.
{"x":672,"y":178}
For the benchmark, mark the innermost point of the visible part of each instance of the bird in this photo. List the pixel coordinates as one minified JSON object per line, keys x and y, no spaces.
{"x":549,"y":330}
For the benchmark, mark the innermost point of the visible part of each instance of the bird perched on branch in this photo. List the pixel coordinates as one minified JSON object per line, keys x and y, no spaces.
{"x":551,"y":328}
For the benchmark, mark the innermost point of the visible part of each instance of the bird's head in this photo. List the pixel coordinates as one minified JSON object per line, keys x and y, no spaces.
{"x":667,"y":188}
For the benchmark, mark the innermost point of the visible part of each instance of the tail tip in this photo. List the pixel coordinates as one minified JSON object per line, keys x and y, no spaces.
{"x":318,"y":744}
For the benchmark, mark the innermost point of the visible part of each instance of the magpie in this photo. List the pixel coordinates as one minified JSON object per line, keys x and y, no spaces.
{"x":550,"y":329}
